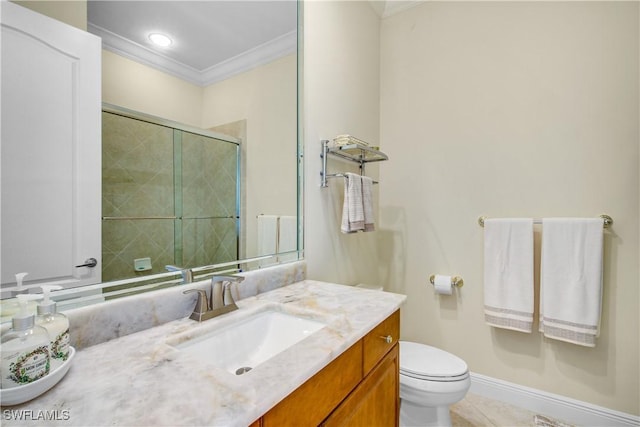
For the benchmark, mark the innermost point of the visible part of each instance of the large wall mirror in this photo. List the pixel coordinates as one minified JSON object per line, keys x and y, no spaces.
{"x":200,"y":155}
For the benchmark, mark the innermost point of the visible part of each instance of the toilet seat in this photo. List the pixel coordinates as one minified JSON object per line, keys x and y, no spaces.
{"x":423,"y":362}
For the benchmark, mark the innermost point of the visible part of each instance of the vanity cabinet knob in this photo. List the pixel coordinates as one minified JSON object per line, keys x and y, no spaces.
{"x":388,"y":339}
{"x":89,"y":262}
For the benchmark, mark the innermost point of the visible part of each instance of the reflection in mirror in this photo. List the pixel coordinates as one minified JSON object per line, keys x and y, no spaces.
{"x":169,"y":196}
{"x":246,"y":99}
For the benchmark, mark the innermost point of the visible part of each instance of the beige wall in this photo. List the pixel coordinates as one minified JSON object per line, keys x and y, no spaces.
{"x":524,"y":109}
{"x":71,"y":12}
{"x":341,"y":95}
{"x":265,"y":99}
{"x":129,"y":84}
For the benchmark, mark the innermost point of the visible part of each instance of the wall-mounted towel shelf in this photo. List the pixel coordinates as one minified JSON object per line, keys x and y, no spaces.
{"x":342,"y":175}
{"x":608,"y":221}
{"x":358,"y":153}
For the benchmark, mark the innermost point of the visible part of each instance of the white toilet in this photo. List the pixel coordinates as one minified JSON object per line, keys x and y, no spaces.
{"x":430,"y":380}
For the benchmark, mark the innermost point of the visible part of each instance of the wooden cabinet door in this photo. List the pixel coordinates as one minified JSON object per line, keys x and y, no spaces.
{"x":316,"y":398}
{"x":376,"y":401}
{"x":50,"y":150}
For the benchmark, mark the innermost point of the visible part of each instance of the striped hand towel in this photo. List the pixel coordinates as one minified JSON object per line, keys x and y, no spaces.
{"x":571,"y":279}
{"x":352,"y":208}
{"x":508,"y":273}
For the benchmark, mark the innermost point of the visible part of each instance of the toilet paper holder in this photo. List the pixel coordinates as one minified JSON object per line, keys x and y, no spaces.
{"x":455,"y":280}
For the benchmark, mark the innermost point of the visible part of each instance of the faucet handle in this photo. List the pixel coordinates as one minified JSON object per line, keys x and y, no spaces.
{"x":187,"y":273}
{"x":227,"y":277}
{"x":202,"y":303}
{"x":226,"y":280}
{"x":227,"y":297}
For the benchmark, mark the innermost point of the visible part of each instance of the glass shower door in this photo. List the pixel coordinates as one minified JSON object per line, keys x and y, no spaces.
{"x":168,"y":197}
{"x":138,"y":207}
{"x":210,"y":201}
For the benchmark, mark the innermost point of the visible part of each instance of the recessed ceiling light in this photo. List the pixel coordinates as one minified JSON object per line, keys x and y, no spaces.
{"x":160,"y":39}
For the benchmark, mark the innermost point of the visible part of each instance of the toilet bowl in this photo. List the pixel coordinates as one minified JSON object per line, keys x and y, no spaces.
{"x":430,"y":380}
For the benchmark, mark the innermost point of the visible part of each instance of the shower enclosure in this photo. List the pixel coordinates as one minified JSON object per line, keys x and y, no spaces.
{"x":170,"y":195}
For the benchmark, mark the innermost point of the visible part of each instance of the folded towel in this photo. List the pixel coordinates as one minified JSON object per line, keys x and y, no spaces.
{"x":267,"y":234}
{"x":357,"y":209}
{"x":267,"y":238}
{"x":287,"y":234}
{"x":367,"y":203}
{"x":571,"y":279}
{"x":508,"y":273}
{"x":288,"y":238}
{"x":352,"y":208}
{"x":341,"y":140}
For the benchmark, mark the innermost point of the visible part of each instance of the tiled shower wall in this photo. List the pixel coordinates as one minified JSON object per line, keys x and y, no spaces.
{"x":154,"y":171}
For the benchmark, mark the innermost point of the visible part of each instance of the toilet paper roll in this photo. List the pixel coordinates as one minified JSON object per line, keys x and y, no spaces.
{"x":442,"y":285}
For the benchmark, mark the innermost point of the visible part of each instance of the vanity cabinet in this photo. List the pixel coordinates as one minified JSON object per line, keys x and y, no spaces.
{"x":375,"y":401}
{"x":359,"y":388}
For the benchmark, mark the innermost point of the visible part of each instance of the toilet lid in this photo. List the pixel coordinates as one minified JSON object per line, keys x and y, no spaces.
{"x":423,"y":361}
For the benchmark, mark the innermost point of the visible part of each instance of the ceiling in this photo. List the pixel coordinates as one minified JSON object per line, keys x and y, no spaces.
{"x":212,"y":40}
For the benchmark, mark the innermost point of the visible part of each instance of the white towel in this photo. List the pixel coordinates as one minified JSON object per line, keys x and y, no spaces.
{"x":267,"y":234}
{"x":571,"y":279}
{"x":352,"y":208}
{"x":287,"y":238}
{"x":367,"y":203}
{"x":287,"y":234}
{"x":267,"y":238}
{"x":508,"y":273}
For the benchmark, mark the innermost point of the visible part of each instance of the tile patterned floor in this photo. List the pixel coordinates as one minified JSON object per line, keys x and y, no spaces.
{"x":480,"y":411}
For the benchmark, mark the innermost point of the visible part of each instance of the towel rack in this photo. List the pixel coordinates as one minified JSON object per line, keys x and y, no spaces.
{"x":608,"y":221}
{"x":358,"y":153}
{"x":342,"y":175}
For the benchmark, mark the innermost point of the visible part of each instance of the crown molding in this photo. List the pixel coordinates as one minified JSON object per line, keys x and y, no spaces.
{"x":260,"y":55}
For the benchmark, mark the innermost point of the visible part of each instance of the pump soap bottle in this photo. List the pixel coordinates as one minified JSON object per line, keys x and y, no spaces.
{"x":19,"y":289}
{"x":10,"y":307}
{"x":56,"y":324}
{"x":24,"y":354}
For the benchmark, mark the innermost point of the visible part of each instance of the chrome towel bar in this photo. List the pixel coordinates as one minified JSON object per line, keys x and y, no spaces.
{"x":342,"y":175}
{"x":608,"y":221}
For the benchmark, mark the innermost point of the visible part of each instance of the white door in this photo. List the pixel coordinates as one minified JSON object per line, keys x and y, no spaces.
{"x":50,"y":149}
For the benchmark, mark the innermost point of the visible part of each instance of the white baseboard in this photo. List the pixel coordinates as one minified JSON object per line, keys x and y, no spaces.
{"x":559,"y":407}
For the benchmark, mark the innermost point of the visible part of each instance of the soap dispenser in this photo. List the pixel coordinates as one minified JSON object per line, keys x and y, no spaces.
{"x":19,"y":289}
{"x":11,"y":307}
{"x":24,"y":354}
{"x":56,"y":324}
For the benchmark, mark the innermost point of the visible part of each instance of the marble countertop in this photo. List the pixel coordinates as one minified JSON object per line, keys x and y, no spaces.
{"x":141,"y":380}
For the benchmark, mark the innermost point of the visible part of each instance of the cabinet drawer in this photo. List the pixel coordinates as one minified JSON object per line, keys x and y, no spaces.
{"x":316,"y":398}
{"x":375,"y":342}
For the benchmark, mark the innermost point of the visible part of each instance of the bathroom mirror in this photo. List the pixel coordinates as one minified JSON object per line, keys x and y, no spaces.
{"x":248,"y":94}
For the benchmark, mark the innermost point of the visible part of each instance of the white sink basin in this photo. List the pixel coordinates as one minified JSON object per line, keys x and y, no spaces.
{"x":249,"y":341}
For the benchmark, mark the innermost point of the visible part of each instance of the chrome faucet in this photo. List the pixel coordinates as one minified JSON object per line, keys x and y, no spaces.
{"x":187,"y":274}
{"x":220,"y":300}
{"x":221,"y":297}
